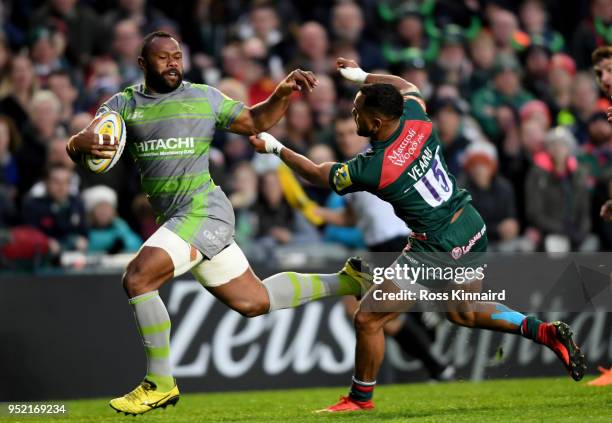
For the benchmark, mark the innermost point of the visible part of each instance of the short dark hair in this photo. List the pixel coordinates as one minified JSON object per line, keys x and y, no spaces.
{"x":601,"y":53}
{"x":148,"y":39}
{"x":384,"y":99}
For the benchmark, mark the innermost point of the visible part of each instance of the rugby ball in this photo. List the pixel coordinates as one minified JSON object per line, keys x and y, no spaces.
{"x":110,"y":123}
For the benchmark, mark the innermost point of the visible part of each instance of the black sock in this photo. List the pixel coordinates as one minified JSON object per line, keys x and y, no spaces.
{"x":414,"y":340}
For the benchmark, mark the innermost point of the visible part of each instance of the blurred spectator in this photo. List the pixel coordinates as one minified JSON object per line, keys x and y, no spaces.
{"x":233,"y":89}
{"x":126,"y":49}
{"x":536,"y":60}
{"x":557,"y":199}
{"x":409,"y":38}
{"x":300,"y":126}
{"x":415,"y":71}
{"x":322,"y":102}
{"x":505,"y":91}
{"x":46,"y":51}
{"x":504,"y":28}
{"x":44,"y":111}
{"x":265,"y":24}
{"x":23,"y":84}
{"x":534,"y":18}
{"x":583,"y":104}
{"x":60,"y":83}
{"x":448,"y":117}
{"x":347,"y":25}
{"x":10,"y":141}
{"x":80,"y":25}
{"x":103,"y":82}
{"x":492,"y":195}
{"x":275,"y":218}
{"x":561,"y":79}
{"x":592,"y":33}
{"x":452,"y":65}
{"x":243,"y":195}
{"x":312,"y":44}
{"x":107,"y":232}
{"x":57,"y":156}
{"x":147,"y":17}
{"x":58,"y":214}
{"x":482,"y":53}
{"x":5,"y":67}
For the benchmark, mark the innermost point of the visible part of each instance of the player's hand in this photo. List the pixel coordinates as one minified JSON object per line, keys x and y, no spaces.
{"x":341,"y":62}
{"x":88,"y":142}
{"x":266,"y":143}
{"x":349,"y":69}
{"x":606,"y":211}
{"x":609,"y":113}
{"x":298,"y":80}
{"x":258,"y":144}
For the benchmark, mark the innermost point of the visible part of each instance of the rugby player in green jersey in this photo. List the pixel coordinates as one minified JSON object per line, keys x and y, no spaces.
{"x":406,"y":168}
{"x":169,"y":127}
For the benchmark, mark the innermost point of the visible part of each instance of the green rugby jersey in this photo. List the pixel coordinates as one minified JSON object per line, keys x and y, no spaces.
{"x":169,"y":135}
{"x":408,"y":171}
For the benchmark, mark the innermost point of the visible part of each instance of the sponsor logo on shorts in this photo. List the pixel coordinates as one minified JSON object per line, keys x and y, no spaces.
{"x":457,"y":252}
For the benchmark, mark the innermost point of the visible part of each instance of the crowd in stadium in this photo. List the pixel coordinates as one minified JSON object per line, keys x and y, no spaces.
{"x":508,"y":85}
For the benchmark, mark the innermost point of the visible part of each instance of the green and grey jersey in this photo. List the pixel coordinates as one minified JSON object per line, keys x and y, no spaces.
{"x":408,"y":171}
{"x":169,"y":137}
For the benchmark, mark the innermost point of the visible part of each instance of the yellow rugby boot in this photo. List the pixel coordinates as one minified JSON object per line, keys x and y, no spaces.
{"x":359,"y":270}
{"x":144,"y":398}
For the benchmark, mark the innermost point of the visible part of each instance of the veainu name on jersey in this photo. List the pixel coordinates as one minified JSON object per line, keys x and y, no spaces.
{"x":419,"y":169}
{"x":168,"y":146}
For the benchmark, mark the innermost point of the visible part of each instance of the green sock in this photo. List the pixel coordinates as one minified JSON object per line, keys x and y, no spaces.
{"x":154,"y":326}
{"x":290,"y":289}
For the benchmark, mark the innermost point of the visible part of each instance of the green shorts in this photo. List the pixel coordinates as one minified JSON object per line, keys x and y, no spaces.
{"x":462,"y":244}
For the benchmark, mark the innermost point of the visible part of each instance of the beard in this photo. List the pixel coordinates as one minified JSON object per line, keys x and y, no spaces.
{"x":362,"y":131}
{"x":158,"y":83}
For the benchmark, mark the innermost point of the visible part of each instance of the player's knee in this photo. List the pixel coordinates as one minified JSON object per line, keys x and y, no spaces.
{"x":250,"y":307}
{"x":367,"y":322}
{"x":135,"y":280}
{"x":462,"y":318}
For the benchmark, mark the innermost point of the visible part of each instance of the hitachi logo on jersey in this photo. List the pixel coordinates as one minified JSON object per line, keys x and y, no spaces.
{"x":407,"y":149}
{"x":164,"y":144}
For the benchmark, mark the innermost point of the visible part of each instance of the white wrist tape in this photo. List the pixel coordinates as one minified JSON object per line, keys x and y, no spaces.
{"x":273,"y":145}
{"x":354,"y":74}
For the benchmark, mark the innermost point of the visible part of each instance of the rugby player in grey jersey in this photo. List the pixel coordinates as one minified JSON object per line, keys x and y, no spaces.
{"x":169,"y":127}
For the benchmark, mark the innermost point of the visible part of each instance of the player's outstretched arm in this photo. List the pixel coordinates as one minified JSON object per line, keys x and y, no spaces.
{"x":349,"y":69}
{"x":88,"y":142}
{"x":316,"y":174}
{"x":263,"y":116}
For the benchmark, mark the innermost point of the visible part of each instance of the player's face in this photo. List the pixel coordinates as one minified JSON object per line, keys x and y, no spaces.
{"x":366,"y":125}
{"x":603,"y":72}
{"x":163,"y":66}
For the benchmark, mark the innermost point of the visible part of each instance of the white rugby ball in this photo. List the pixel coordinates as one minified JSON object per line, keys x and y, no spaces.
{"x":111,"y":123}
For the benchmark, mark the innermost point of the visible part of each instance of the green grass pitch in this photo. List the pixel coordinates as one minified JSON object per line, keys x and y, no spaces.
{"x":514,"y":400}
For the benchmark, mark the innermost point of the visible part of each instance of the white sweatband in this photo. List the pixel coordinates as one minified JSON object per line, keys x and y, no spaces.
{"x":354,"y":74}
{"x":273,"y":145}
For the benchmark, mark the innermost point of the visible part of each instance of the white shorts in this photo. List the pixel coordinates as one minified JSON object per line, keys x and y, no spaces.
{"x":222,"y":268}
